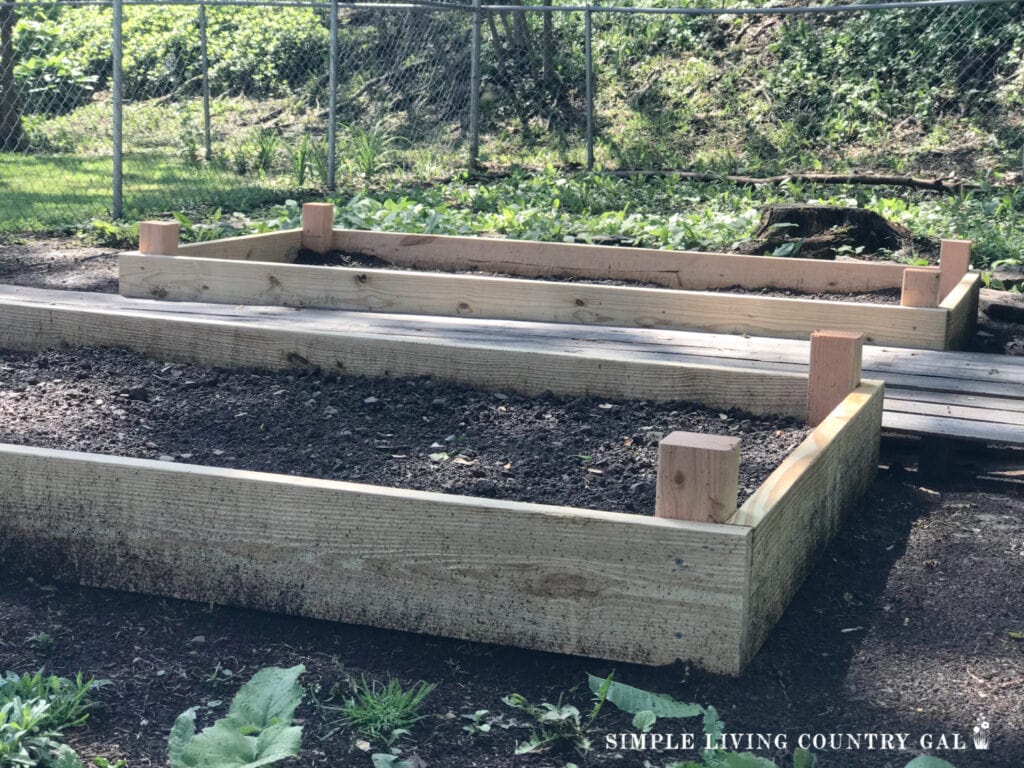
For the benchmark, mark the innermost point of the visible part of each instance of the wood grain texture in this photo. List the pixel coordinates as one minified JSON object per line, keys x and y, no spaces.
{"x":238,"y":337}
{"x":920,"y":288}
{"x":672,"y":269}
{"x":798,"y":509}
{"x":189,"y":279}
{"x":158,"y":237}
{"x":835,"y":367}
{"x":614,"y":586}
{"x":273,"y":247}
{"x":954,"y":261}
{"x":962,"y":305}
{"x":698,"y":477}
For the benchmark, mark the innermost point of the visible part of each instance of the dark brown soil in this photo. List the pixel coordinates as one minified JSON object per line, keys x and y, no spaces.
{"x":410,"y":433}
{"x":351,"y":259}
{"x":883,"y":296}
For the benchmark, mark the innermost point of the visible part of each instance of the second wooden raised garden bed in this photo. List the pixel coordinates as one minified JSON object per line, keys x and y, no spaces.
{"x":938,"y":306}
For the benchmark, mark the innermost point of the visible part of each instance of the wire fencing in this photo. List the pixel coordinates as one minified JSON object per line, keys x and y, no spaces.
{"x":131,"y":107}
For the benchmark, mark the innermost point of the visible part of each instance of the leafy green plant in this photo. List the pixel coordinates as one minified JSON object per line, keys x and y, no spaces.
{"x":35,"y":710}
{"x":265,"y":144}
{"x":42,"y":643}
{"x":383,"y":713}
{"x":256,"y":731}
{"x":371,"y":151}
{"x":559,"y":726}
{"x":482,"y":722}
{"x":301,"y":160}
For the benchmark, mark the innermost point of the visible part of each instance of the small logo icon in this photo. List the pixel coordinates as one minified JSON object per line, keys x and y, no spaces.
{"x":981,"y":733}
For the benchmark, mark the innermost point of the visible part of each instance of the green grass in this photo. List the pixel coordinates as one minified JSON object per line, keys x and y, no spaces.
{"x":54,"y":192}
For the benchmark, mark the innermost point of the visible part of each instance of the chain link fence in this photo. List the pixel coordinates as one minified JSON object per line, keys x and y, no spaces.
{"x":225,"y":105}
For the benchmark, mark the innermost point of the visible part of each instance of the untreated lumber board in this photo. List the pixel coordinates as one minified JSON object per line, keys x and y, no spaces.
{"x":671,"y":269}
{"x":960,"y":429}
{"x":952,"y":411}
{"x":798,"y":509}
{"x":219,"y":280}
{"x":616,"y":586}
{"x":962,"y":306}
{"x":236,"y":337}
{"x":273,"y":247}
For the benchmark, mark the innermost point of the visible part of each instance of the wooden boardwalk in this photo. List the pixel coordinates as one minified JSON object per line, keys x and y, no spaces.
{"x":959,"y":395}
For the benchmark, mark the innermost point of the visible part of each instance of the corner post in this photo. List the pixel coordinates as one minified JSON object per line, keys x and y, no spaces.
{"x":834,"y":371}
{"x":158,"y":238}
{"x":318,"y":227}
{"x":954,"y":261}
{"x":698,"y":477}
{"x":920,"y":287}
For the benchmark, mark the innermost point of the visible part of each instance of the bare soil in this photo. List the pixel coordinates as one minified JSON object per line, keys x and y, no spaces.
{"x":910,"y":623}
{"x":410,"y":433}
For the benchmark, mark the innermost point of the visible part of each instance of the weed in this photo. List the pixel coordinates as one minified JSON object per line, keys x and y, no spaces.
{"x":42,"y":643}
{"x":381,"y":713}
{"x":559,"y":726}
{"x":266,"y":144}
{"x":371,"y":151}
{"x":35,"y":710}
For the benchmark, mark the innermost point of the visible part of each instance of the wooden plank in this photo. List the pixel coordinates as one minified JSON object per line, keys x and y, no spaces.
{"x":798,"y":509}
{"x":940,"y":426}
{"x":965,"y":413}
{"x":962,"y":305}
{"x":273,"y":247}
{"x":672,"y":269}
{"x":983,"y":402}
{"x":698,"y":477}
{"x":254,"y":339}
{"x":186,"y":279}
{"x":624,"y":587}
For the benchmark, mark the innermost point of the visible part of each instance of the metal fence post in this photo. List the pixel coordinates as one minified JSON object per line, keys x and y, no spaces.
{"x":117,"y":207}
{"x":475,"y":76}
{"x":204,"y":52}
{"x":588,"y":52}
{"x":332,"y":103}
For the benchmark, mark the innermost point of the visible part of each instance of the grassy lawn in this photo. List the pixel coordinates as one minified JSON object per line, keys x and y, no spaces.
{"x":44,"y":192}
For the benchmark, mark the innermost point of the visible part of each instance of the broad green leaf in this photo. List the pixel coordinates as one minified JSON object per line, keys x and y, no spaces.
{"x":633,"y":700}
{"x":181,"y":734}
{"x":804,"y":759}
{"x":271,"y":696}
{"x":64,"y":757}
{"x":927,"y":761}
{"x":746,"y":760}
{"x":644,"y":720}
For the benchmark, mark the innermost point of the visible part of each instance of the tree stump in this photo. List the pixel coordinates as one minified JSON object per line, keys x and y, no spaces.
{"x":817,"y":231}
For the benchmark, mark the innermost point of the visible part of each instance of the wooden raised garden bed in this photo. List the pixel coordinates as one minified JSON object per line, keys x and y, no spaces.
{"x":701,"y":581}
{"x":937,"y":311}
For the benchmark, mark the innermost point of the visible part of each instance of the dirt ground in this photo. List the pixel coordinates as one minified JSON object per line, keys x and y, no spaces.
{"x":911,"y":623}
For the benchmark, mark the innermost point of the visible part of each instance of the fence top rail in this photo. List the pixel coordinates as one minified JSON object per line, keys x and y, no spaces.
{"x":852,"y":7}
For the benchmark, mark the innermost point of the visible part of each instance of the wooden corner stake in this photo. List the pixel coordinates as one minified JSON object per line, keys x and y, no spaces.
{"x":920,"y":287}
{"x":158,"y":238}
{"x":318,"y":227}
{"x":954,"y":261}
{"x":834,"y":371}
{"x":698,"y":477}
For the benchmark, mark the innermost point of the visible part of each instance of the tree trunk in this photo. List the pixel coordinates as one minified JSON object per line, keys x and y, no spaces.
{"x":10,"y":113}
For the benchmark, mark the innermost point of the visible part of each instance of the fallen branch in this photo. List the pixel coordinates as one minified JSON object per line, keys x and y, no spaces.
{"x":951,"y":185}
